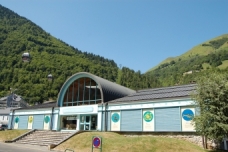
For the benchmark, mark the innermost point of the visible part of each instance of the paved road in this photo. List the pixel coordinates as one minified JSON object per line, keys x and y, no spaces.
{"x":13,"y":147}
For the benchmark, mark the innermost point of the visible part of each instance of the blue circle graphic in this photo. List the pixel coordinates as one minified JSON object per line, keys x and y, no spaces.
{"x":115,"y":117}
{"x":46,"y":119}
{"x":187,"y":115}
{"x":16,"y":119}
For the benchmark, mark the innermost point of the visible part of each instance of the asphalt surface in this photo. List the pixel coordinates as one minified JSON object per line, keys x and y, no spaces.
{"x":14,"y":147}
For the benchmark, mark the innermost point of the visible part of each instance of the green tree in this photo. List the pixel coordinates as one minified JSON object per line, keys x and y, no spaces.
{"x":211,"y":97}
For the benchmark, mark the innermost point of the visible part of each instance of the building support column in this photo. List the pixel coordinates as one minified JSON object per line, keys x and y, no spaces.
{"x":225,"y":143}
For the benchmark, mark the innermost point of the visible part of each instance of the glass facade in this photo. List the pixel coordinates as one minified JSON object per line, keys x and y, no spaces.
{"x":86,"y":122}
{"x":68,"y":122}
{"x":83,"y":91}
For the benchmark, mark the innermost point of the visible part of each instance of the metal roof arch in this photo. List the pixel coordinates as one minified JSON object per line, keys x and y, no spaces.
{"x":109,"y":90}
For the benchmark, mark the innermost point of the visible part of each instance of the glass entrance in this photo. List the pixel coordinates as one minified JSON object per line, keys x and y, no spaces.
{"x":68,"y":122}
{"x":88,"y":122}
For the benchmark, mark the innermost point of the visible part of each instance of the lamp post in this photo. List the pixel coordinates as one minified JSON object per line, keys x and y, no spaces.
{"x":50,"y":77}
{"x":26,"y":57}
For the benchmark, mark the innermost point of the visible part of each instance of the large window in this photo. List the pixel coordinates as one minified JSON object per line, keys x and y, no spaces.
{"x":68,"y":122}
{"x":83,"y":91}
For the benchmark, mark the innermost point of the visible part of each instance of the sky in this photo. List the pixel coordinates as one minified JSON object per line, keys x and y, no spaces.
{"x":138,"y":34}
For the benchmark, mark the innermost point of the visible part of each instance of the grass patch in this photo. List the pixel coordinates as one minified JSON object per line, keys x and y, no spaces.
{"x":113,"y":142}
{"x":224,"y":65}
{"x":11,"y":134}
{"x":206,"y":66}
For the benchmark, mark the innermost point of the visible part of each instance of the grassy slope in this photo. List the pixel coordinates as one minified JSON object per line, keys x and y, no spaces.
{"x":113,"y":142}
{"x":199,"y":49}
{"x":11,"y":134}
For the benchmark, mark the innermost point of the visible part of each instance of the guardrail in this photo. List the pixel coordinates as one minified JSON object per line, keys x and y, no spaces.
{"x":68,"y":150}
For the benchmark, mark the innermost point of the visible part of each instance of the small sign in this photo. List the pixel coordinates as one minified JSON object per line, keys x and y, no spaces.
{"x":30,"y":122}
{"x":115,"y":117}
{"x":96,"y":143}
{"x":16,"y":122}
{"x":148,"y":116}
{"x":46,"y":122}
{"x":71,"y":118}
{"x":187,"y":115}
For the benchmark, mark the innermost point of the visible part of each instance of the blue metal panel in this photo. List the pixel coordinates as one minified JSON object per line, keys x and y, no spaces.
{"x":38,"y":122}
{"x":167,"y":119}
{"x":131,"y":120}
{"x":103,"y":121}
{"x":54,"y":121}
{"x":109,"y":121}
{"x":13,"y":121}
{"x":106,"y":119}
{"x":9,"y":122}
{"x":23,"y":122}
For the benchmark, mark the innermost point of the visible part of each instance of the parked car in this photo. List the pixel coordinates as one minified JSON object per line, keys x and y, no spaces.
{"x":3,"y":127}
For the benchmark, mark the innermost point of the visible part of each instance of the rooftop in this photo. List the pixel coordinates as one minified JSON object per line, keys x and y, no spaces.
{"x":158,"y":93}
{"x":43,"y":105}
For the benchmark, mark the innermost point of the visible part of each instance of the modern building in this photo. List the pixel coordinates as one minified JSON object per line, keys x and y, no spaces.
{"x":88,"y":102}
{"x":168,"y":109}
{"x":76,"y":107}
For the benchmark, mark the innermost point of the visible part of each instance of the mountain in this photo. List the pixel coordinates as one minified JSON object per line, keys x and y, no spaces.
{"x":50,"y":56}
{"x":182,"y":69}
{"x":53,"y":56}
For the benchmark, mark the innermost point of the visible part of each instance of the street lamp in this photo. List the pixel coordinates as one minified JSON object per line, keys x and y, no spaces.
{"x":26,"y":57}
{"x":50,"y":77}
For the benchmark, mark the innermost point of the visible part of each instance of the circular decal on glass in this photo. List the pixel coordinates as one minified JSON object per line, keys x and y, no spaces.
{"x":30,"y":119}
{"x":46,"y":119}
{"x":16,"y":119}
{"x":187,"y":115}
{"x":115,"y":117}
{"x":148,"y":116}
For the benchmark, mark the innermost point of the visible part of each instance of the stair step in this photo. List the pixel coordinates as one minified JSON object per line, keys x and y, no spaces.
{"x":44,"y":138}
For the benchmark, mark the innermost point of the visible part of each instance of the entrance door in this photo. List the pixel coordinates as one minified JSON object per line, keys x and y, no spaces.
{"x":88,"y":122}
{"x":85,"y":122}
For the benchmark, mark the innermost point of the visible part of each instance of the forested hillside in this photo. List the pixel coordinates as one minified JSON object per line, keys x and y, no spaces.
{"x":185,"y":68}
{"x":50,"y":55}
{"x":53,"y":56}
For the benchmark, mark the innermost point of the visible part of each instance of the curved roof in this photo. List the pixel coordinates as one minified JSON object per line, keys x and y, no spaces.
{"x":109,"y":90}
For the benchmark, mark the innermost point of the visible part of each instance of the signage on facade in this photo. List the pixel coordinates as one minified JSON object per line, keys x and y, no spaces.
{"x":72,"y":118}
{"x":46,"y":122}
{"x":30,"y":122}
{"x":16,"y":121}
{"x":187,"y":115}
{"x":115,"y":121}
{"x":148,"y":120}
